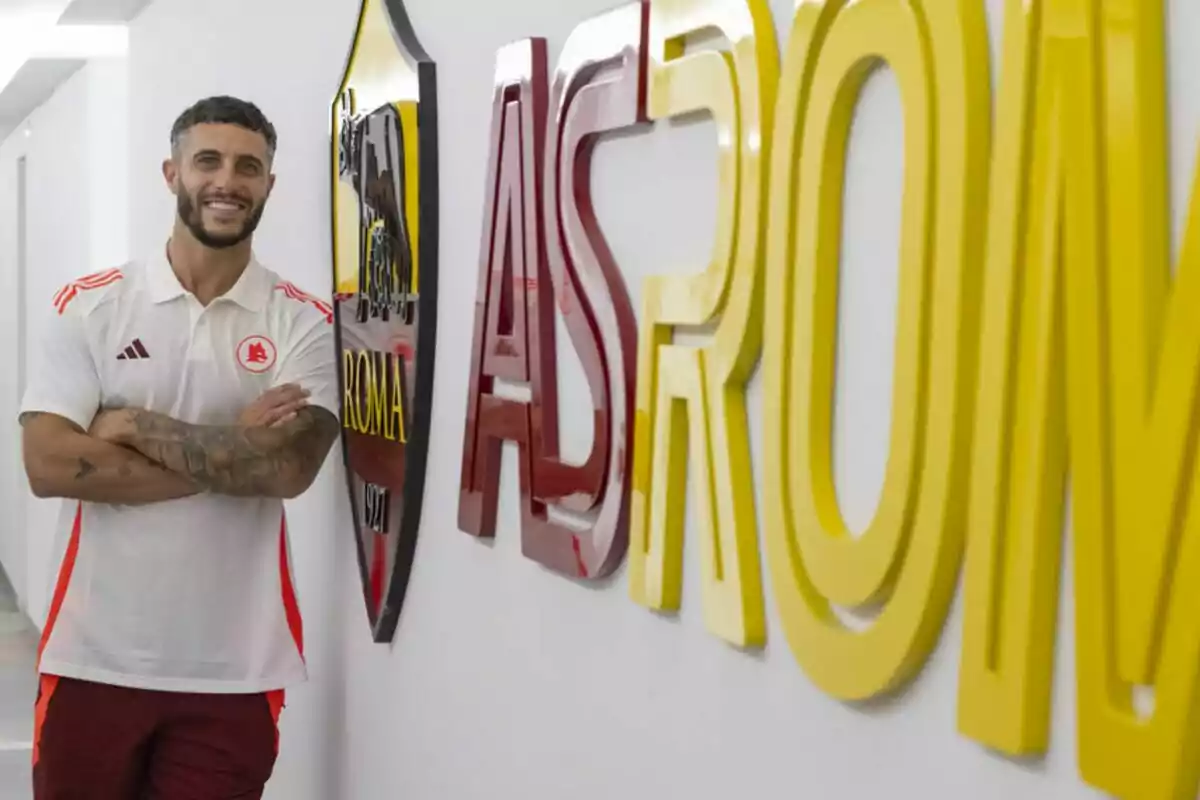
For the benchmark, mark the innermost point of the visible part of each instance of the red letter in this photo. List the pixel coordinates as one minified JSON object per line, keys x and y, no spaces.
{"x":541,"y":237}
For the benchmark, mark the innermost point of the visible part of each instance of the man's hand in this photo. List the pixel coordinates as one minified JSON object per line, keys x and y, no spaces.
{"x":275,"y":407}
{"x":114,"y":426}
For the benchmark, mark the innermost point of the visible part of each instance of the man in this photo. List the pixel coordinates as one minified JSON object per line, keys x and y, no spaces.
{"x":176,"y":402}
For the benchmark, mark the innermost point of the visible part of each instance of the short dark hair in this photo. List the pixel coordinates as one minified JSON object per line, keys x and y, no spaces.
{"x":224,"y":110}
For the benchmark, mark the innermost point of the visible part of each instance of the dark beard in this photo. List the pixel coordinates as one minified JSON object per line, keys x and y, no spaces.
{"x":190,"y":214}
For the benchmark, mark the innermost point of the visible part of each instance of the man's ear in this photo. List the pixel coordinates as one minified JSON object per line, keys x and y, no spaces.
{"x":270,"y":184}
{"x":170,"y":173}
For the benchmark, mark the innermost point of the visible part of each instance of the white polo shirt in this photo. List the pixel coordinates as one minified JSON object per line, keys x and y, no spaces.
{"x":194,"y":594}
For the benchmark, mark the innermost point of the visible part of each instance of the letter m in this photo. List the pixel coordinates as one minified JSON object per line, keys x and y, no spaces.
{"x":541,"y":249}
{"x":1090,"y":359}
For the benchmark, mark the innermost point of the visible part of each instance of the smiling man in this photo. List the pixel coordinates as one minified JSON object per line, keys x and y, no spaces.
{"x":177,"y":401}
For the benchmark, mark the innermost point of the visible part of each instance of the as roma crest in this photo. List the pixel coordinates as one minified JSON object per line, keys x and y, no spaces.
{"x":385,"y":238}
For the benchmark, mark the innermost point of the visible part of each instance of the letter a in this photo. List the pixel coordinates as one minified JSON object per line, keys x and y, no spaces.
{"x":541,"y":243}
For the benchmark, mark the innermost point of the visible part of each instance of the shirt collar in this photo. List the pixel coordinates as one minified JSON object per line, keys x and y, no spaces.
{"x":252,"y":290}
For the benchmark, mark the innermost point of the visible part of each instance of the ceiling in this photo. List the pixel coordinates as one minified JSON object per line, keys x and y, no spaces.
{"x":93,"y":12}
{"x":34,"y":77}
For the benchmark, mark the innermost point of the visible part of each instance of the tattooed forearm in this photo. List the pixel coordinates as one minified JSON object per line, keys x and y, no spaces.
{"x":61,"y":460}
{"x":243,"y":461}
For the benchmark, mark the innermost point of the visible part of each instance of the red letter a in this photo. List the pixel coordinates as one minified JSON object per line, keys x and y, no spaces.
{"x":541,"y":244}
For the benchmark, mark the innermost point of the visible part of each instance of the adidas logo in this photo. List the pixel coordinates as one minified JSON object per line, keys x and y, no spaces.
{"x":135,"y":351}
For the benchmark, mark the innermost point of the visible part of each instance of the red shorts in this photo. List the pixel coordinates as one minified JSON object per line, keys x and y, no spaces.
{"x":99,"y":742}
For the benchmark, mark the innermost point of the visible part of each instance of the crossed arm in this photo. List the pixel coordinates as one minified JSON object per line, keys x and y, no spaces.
{"x":239,"y":460}
{"x":131,"y":456}
{"x":62,"y":460}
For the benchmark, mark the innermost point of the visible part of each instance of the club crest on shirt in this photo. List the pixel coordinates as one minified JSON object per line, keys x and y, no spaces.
{"x":385,"y":236}
{"x":257,"y":354}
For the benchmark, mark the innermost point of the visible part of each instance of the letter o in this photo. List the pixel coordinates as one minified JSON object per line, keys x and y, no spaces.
{"x":907,"y":561}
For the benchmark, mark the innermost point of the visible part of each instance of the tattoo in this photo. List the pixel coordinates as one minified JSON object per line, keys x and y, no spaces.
{"x":85,"y":468}
{"x":241,"y":461}
{"x":28,"y":416}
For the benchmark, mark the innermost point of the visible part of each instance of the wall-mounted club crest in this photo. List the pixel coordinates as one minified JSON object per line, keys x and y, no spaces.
{"x":385,"y":237}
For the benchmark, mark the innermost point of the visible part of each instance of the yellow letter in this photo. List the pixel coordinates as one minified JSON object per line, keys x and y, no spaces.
{"x":365,"y":417}
{"x":907,"y":561}
{"x":1017,"y":476}
{"x":1132,"y":353}
{"x":384,"y":379}
{"x":738,"y":86}
{"x":398,"y":400}
{"x":351,"y":389}
{"x":377,"y":386}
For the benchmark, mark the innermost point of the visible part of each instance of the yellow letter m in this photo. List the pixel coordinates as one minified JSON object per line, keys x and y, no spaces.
{"x":1091,"y":353}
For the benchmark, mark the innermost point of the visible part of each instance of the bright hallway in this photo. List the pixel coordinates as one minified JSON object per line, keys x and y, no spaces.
{"x":730,"y":394}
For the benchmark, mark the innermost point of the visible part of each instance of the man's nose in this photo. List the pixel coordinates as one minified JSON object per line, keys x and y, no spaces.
{"x":224,"y":178}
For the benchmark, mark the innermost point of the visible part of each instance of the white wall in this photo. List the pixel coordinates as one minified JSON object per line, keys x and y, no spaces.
{"x":12,"y":490}
{"x":504,"y":680}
